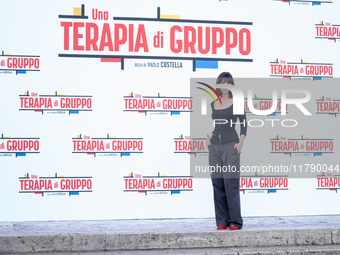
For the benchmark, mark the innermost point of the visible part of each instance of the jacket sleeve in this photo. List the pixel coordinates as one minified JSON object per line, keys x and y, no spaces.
{"x":243,"y":124}
{"x":212,"y":112}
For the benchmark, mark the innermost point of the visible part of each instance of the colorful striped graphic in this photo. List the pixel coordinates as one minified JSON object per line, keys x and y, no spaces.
{"x":212,"y":89}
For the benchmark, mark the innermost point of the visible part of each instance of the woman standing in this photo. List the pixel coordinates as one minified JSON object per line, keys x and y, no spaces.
{"x":224,"y":154}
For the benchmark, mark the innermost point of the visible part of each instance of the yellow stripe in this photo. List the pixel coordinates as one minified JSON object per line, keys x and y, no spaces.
{"x":259,"y":175}
{"x":162,"y":96}
{"x":320,"y":23}
{"x":306,"y":138}
{"x":7,"y":54}
{"x":77,"y":11}
{"x":129,"y":175}
{"x":275,"y":60}
{"x":25,"y":175}
{"x":25,"y":93}
{"x":305,"y":62}
{"x":112,"y":137}
{"x":259,"y":97}
{"x":162,"y":176}
{"x":78,"y":136}
{"x":321,"y":98}
{"x":60,"y":176}
{"x":169,"y":16}
{"x":60,"y":95}
{"x":6,"y":137}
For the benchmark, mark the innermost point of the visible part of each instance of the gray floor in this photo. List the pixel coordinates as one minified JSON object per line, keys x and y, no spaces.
{"x":292,"y":250}
{"x":161,"y":225}
{"x":101,"y":235}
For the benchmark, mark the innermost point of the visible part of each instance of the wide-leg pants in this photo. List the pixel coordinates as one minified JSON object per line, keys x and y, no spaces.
{"x":224,"y":162}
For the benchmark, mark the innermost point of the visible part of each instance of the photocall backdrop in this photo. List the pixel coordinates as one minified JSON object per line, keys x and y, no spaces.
{"x":96,"y":99}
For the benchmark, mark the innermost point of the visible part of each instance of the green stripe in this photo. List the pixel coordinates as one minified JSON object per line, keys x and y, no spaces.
{"x":208,"y":93}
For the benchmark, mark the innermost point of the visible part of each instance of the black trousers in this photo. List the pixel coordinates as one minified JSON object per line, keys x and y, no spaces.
{"x":224,"y":162}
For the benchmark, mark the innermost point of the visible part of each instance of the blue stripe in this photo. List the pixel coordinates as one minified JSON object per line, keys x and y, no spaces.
{"x":206,"y":64}
{"x":74,"y":112}
{"x":125,"y":153}
{"x":317,"y":78}
{"x":23,"y":72}
{"x":178,"y":113}
{"x":21,"y":154}
{"x":176,"y":192}
{"x":74,"y":193}
{"x":272,"y":191}
{"x":317,"y":3}
{"x":272,"y":114}
{"x":318,"y":154}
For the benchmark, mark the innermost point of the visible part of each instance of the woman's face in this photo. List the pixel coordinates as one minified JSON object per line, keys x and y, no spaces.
{"x":224,"y":90}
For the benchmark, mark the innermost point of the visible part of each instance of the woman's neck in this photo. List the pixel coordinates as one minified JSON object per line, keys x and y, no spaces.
{"x":225,"y":96}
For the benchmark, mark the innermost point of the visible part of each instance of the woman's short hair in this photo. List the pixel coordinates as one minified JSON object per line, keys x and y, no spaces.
{"x":225,"y":77}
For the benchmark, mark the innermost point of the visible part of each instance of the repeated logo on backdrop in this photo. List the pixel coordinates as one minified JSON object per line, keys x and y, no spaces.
{"x":159,"y":184}
{"x":306,"y":2}
{"x":55,"y":104}
{"x":55,"y":185}
{"x":328,"y":181}
{"x":326,"y":30}
{"x":18,"y":146}
{"x":263,"y":184}
{"x":303,"y":146}
{"x":157,"y":105}
{"x":286,"y":69}
{"x":107,"y":146}
{"x":327,"y":105}
{"x":191,"y":146}
{"x":18,"y":64}
{"x":263,"y":104}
